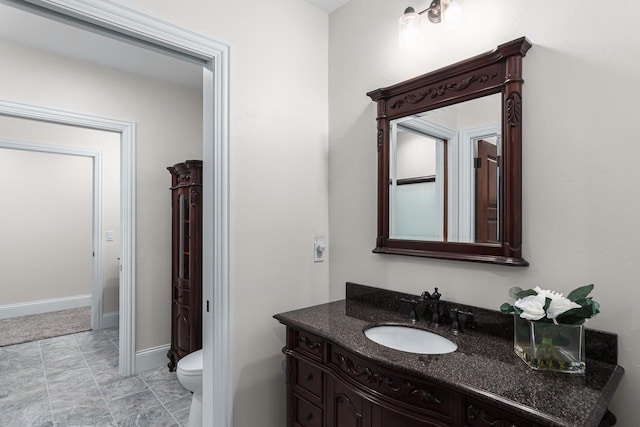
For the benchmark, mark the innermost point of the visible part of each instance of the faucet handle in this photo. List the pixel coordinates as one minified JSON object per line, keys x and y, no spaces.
{"x":413,"y":314}
{"x":455,"y":325}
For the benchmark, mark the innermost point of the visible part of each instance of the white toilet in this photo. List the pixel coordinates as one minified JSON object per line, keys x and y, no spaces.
{"x":190,"y":376}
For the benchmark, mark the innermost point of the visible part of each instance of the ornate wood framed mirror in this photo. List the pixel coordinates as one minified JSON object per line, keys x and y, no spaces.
{"x":450,"y":161}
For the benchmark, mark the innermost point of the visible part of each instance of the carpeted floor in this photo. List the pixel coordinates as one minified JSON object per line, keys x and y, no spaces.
{"x":21,"y":329}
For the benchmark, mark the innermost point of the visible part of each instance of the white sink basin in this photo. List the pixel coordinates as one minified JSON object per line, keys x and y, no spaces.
{"x":410,"y":340}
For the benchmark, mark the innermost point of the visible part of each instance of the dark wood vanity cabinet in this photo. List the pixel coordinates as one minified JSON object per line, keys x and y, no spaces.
{"x":329,"y":386}
{"x":186,"y":260}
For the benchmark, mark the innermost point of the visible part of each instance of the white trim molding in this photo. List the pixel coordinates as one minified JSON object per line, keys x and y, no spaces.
{"x":216,"y":336}
{"x":151,"y":358}
{"x":110,"y":320}
{"x":96,"y":158}
{"x":127,"y":207}
{"x":44,"y":306}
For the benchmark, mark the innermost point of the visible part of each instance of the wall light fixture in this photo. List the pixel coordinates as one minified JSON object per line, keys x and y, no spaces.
{"x":439,"y":10}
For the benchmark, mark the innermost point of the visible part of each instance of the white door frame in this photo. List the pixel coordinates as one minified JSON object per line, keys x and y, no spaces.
{"x":127,"y":133}
{"x":466,"y":215}
{"x":96,"y":223}
{"x":126,"y":23}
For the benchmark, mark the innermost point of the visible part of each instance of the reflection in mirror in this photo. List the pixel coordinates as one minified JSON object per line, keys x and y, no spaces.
{"x":445,"y":173}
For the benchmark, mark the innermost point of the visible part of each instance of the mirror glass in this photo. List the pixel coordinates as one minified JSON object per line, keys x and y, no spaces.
{"x":444,"y":173}
{"x":183,"y":238}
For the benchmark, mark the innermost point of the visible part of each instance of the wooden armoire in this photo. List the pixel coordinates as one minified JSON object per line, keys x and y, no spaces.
{"x":186,"y":260}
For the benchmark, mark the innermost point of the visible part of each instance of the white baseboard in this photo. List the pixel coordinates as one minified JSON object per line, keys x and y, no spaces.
{"x":44,"y":306}
{"x":151,"y":358}
{"x":110,"y":320}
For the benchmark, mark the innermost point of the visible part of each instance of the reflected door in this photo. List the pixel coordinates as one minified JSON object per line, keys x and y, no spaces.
{"x":486,"y":193}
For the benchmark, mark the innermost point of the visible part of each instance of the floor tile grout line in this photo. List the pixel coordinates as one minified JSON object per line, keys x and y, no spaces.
{"x":46,"y":383}
{"x":161,"y":402}
{"x":94,"y":379}
{"x":109,"y":338}
{"x":77,"y":340}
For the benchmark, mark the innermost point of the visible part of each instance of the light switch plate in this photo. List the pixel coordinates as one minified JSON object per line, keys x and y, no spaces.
{"x":319,"y":247}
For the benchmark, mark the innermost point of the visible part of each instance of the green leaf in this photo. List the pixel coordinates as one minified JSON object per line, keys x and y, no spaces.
{"x":525,"y":293}
{"x":507,"y":308}
{"x":571,"y":320}
{"x":547,"y":303}
{"x":576,"y":316}
{"x":596,"y":307}
{"x":580,"y":292}
{"x":513,"y":292}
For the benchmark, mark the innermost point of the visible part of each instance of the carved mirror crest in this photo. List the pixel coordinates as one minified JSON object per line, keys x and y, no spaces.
{"x":450,"y":161}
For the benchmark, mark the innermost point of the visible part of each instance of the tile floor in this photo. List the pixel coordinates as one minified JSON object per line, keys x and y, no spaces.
{"x":73,"y":380}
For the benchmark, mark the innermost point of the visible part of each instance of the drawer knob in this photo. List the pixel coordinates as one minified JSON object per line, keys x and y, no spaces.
{"x":309,"y":417}
{"x":309,"y":377}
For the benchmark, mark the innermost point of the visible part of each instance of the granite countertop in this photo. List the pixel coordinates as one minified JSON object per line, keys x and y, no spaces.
{"x":484,"y":365}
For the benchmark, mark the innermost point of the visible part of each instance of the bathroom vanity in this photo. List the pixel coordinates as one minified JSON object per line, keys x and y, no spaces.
{"x":337,"y":377}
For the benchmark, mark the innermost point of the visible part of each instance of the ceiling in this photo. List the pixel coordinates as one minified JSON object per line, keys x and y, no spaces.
{"x":328,"y":5}
{"x":36,"y":31}
{"x":19,"y":26}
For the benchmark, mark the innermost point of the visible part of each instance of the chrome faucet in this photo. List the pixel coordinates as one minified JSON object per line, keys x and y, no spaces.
{"x":435,"y":305}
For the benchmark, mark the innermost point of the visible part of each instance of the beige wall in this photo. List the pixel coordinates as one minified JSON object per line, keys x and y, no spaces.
{"x":46,"y":225}
{"x":580,"y":157}
{"x":169,"y":130}
{"x":108,"y":144}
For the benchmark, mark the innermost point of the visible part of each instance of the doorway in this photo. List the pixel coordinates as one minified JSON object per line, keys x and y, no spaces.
{"x":123,"y":23}
{"x":59,"y":224}
{"x":126,"y":130}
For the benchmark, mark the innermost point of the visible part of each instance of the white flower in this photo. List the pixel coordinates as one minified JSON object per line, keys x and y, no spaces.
{"x":559,"y":304}
{"x":532,"y":307}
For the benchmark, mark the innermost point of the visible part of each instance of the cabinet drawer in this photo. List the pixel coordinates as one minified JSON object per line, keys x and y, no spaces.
{"x":306,"y":413}
{"x":477,"y":414}
{"x":308,"y":344}
{"x":309,"y":378}
{"x":408,"y":392}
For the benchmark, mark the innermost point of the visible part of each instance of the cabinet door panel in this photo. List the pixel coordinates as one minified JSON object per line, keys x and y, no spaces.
{"x":183,"y":329}
{"x":181,"y":296}
{"x":346,"y":408}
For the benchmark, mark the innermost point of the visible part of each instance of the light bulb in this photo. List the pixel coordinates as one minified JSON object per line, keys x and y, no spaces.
{"x":408,"y":31}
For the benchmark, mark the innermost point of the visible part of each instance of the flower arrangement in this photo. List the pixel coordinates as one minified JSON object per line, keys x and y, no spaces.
{"x":545,"y":306}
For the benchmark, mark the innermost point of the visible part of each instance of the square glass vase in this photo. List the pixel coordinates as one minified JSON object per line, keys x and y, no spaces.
{"x":549,"y":347}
